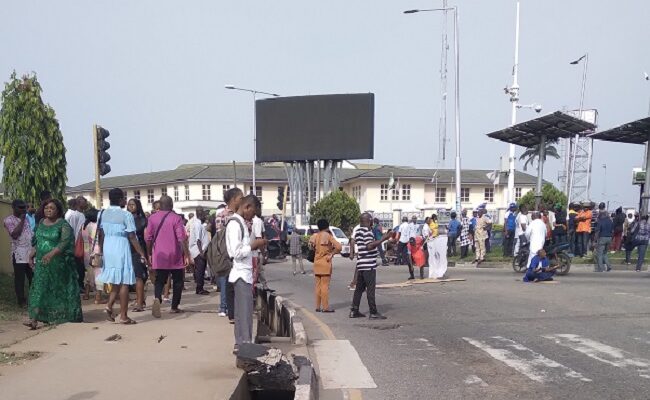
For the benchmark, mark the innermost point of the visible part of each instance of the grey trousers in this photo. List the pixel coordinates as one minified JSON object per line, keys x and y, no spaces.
{"x":602,"y":259}
{"x":243,"y":312}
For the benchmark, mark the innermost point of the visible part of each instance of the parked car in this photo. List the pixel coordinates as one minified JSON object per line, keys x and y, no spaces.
{"x":336,"y":232}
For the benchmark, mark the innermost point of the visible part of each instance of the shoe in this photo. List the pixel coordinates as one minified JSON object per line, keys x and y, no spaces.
{"x":474,"y":261}
{"x":231,"y":321}
{"x":155,"y":309}
{"x":203,"y":292}
{"x":235,"y":350}
{"x":166,"y":300}
{"x":376,"y":316}
{"x":356,"y":314}
{"x":608,"y":269}
{"x":176,"y":311}
{"x":318,"y":310}
{"x":352,"y":288}
{"x":303,"y":272}
{"x":222,"y":314}
{"x":327,"y":310}
{"x":294,"y":273}
{"x":411,"y":278}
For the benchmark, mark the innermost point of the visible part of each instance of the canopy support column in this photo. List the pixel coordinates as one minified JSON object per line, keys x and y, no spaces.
{"x":646,"y":187}
{"x":540,"y":171}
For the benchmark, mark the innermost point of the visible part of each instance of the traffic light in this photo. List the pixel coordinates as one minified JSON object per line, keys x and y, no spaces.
{"x":102,"y":155}
{"x":280,"y":197}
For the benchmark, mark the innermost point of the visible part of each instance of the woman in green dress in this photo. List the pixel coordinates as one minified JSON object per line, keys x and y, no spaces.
{"x":54,"y":295}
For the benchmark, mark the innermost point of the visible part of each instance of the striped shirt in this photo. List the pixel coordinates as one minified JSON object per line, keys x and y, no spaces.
{"x":366,"y":259}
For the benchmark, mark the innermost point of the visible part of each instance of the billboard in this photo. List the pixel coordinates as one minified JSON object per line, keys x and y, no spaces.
{"x":321,"y":127}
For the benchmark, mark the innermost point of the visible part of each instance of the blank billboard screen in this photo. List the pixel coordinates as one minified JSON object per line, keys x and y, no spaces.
{"x":321,"y":127}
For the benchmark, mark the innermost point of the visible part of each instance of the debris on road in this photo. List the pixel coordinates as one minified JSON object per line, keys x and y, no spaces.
{"x":161,"y":338}
{"x":415,"y":282}
{"x":113,"y":338}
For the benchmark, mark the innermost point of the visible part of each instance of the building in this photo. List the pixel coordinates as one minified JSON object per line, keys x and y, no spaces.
{"x":415,"y":190}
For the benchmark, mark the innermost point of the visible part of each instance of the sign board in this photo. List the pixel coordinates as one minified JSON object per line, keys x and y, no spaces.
{"x":638,"y":176}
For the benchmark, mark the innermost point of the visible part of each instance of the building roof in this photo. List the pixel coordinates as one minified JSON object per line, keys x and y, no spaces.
{"x":225,"y":172}
{"x":555,"y":126}
{"x":636,"y":132}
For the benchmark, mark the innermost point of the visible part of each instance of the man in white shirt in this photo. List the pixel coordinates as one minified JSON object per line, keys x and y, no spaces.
{"x":258,"y":233}
{"x":522,"y":223}
{"x":198,"y":242}
{"x":536,"y":234}
{"x":76,"y":218}
{"x":240,"y":248}
{"x":404,"y":234}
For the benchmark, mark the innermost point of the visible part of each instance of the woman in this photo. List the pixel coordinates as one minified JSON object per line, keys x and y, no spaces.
{"x":54,"y":295}
{"x":134,"y":206}
{"x":325,"y":247}
{"x":89,"y":236}
{"x":117,"y":228}
{"x":465,"y":239}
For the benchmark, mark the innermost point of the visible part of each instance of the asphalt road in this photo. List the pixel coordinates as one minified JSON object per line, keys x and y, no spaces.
{"x":491,"y":336}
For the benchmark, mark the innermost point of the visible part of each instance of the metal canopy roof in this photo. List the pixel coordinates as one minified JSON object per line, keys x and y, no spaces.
{"x":636,"y":132}
{"x":554,"y":126}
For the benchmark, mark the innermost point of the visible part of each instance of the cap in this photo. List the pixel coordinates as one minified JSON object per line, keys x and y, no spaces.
{"x":512,"y":205}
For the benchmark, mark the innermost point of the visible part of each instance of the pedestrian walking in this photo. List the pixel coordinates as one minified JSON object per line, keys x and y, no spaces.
{"x":54,"y":294}
{"x":240,"y":247}
{"x":117,"y":233}
{"x":168,"y":253}
{"x":295,"y":250}
{"x":403,"y":236}
{"x":603,"y":236}
{"x":134,"y":206}
{"x":21,"y":234}
{"x":92,"y":259}
{"x":453,"y":230}
{"x":465,"y":238}
{"x":482,"y":226}
{"x":198,"y":243}
{"x":325,"y":247}
{"x":75,"y":217}
{"x":509,"y":227}
{"x":366,"y":268}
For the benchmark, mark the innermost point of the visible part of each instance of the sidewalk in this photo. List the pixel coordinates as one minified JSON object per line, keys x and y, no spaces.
{"x":193,"y":360}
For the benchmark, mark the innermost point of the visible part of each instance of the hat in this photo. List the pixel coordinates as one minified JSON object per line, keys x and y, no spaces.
{"x":512,"y":205}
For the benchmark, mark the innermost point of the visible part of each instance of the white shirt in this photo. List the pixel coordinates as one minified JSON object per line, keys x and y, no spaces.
{"x":197,"y":232}
{"x":258,"y":230}
{"x":240,"y":251}
{"x":76,"y":220}
{"x":413,"y":230}
{"x":404,"y":232}
{"x":536,"y":234}
{"x":426,"y":231}
{"x":521,"y":219}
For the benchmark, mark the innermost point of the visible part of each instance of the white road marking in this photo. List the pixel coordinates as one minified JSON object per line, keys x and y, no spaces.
{"x":340,"y":366}
{"x":475,"y":380}
{"x":603,"y":353}
{"x":528,"y":362}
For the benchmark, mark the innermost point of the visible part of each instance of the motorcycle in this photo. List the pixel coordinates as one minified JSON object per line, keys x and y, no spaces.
{"x":556,"y":253}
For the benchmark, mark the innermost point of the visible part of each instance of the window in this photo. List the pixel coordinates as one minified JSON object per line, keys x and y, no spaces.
{"x":258,"y":191}
{"x":126,"y":194}
{"x":356,"y":193}
{"x":164,"y":191}
{"x":136,"y":194}
{"x":395,"y":194}
{"x":441,"y":195}
{"x":384,"y":192}
{"x":489,"y":195}
{"x":225,"y":188}
{"x":464,"y":195}
{"x":406,"y":192}
{"x":150,"y":196}
{"x":176,"y":196}
{"x":206,"y":192}
{"x":518,"y":193}
{"x":187,"y":192}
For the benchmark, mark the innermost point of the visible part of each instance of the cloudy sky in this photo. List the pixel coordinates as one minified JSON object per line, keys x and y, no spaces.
{"x":153,"y":73}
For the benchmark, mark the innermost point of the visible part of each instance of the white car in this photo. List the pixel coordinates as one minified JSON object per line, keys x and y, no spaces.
{"x":336,"y":232}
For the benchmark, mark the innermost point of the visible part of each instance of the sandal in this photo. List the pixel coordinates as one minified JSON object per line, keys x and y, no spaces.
{"x":137,"y":309}
{"x":176,"y":311}
{"x":109,"y":314}
{"x":128,"y":321}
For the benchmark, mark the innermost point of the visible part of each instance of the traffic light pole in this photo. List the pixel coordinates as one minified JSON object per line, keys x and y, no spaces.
{"x":98,"y":193}
{"x":284,"y":207}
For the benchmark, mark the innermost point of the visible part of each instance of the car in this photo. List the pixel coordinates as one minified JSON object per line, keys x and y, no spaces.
{"x":336,"y":232}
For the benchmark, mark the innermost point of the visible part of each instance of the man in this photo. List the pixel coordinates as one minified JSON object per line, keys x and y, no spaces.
{"x":559,"y":227}
{"x":453,"y":231}
{"x":240,"y":249}
{"x":583,"y":230}
{"x":377,"y":231}
{"x":198,"y":244}
{"x":619,"y":221}
{"x":155,"y":207}
{"x":233,"y":198}
{"x":31,"y":216}
{"x":522,"y":223}
{"x":536,"y":235}
{"x":539,"y":268}
{"x":603,"y":236}
{"x":481,"y":234}
{"x":366,"y":267}
{"x":509,"y":227}
{"x":571,"y":228}
{"x":258,"y":233}
{"x":168,"y":253}
{"x":21,"y":246}
{"x":76,"y":218}
{"x":190,"y":221}
{"x":403,"y":236}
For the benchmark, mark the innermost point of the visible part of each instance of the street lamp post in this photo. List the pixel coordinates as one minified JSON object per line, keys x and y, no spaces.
{"x":254,"y":93}
{"x":457,"y":94}
{"x":514,"y":100}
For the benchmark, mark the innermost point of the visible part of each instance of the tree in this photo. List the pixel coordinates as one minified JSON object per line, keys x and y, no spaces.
{"x":550,"y":197}
{"x":338,"y":208}
{"x":31,"y":143}
{"x":531,"y":154}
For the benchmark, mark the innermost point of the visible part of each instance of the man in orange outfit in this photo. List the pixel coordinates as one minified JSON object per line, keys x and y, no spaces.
{"x":583,"y":231}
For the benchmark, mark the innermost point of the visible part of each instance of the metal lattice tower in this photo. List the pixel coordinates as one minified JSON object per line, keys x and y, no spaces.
{"x":580,"y":179}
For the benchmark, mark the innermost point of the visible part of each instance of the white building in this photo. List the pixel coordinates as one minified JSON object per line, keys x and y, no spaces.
{"x":416,"y":189}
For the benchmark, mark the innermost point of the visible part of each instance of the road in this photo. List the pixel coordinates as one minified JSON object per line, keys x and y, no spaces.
{"x":489,"y":337}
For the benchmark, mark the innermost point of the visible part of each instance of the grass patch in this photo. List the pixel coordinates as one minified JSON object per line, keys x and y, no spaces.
{"x":11,"y":358}
{"x":9,"y":310}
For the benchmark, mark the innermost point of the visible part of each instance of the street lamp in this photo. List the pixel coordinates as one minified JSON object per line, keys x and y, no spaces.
{"x":255,"y":93}
{"x":457,"y":90}
{"x":571,"y":175}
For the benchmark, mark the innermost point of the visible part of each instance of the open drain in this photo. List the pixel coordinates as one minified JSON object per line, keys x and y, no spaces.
{"x":380,"y":327}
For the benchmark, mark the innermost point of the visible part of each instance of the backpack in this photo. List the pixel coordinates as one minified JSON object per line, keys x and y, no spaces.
{"x":217,"y":252}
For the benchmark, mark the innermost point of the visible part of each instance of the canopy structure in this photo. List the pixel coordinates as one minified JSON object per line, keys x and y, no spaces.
{"x":538,"y":131}
{"x":635,"y":132}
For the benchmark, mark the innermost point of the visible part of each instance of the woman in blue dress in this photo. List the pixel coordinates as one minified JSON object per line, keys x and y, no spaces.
{"x":117,"y":233}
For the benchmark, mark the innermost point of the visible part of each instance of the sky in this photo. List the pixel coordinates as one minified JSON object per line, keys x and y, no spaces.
{"x":153,"y":73}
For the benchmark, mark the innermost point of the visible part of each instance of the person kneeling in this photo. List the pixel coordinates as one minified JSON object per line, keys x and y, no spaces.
{"x":540,"y":269}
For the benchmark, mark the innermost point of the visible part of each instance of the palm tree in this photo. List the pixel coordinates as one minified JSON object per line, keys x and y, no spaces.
{"x":532,"y":153}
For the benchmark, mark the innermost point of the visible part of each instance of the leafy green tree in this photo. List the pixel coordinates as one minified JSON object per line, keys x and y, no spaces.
{"x":532,"y":154}
{"x":338,"y":208}
{"x":31,"y":143}
{"x":550,"y":197}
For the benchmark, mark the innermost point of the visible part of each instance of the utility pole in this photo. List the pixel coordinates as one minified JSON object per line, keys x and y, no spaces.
{"x":98,"y":192}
